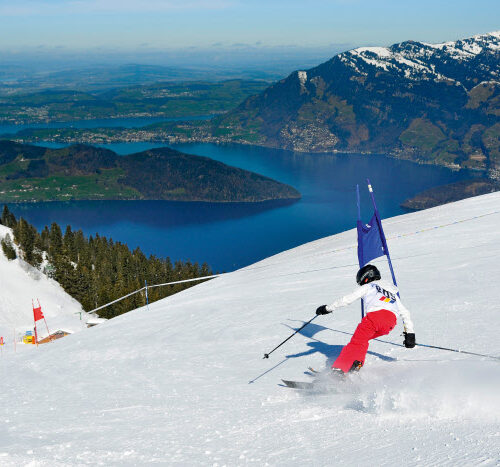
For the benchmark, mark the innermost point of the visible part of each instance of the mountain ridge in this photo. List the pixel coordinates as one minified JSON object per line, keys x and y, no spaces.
{"x":431,"y":103}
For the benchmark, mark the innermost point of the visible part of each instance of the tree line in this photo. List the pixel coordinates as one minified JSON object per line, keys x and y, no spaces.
{"x":96,"y":270}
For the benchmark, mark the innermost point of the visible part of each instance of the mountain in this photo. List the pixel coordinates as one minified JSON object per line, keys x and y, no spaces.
{"x":184,"y":382}
{"x":33,"y":173}
{"x":431,"y":103}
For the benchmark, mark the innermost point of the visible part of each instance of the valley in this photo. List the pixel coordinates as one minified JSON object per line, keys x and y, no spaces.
{"x":427,"y":103}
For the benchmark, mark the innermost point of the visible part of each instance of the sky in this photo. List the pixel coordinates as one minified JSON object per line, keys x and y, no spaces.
{"x":225,"y":23}
{"x":236,"y":26}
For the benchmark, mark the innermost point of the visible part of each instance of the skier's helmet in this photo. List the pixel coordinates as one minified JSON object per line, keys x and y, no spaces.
{"x":367,"y":274}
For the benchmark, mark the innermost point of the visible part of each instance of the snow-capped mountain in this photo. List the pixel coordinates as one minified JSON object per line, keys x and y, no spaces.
{"x":184,"y":382}
{"x":431,"y":103}
{"x":465,"y":62}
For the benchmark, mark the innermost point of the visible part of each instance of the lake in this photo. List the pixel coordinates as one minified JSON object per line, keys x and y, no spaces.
{"x":232,"y":235}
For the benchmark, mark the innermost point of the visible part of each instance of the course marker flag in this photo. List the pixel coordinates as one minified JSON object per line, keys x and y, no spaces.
{"x":371,"y":239}
{"x":37,"y":316}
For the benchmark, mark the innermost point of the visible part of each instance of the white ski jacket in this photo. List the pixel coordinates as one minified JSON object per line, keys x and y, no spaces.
{"x":377,"y":295}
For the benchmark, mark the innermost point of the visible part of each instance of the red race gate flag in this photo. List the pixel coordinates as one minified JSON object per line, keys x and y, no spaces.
{"x":1,"y":340}
{"x":37,"y":313}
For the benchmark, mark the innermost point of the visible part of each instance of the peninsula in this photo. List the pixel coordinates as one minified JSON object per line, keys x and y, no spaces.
{"x":81,"y":172}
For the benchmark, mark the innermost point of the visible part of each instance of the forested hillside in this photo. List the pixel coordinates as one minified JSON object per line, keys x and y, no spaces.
{"x":96,"y":270}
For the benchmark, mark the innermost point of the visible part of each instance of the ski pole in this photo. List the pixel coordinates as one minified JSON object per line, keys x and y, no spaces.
{"x":458,"y":351}
{"x":266,"y":355}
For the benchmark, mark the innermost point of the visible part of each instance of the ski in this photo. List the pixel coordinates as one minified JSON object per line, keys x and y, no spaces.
{"x":298,"y":384}
{"x":321,"y":380}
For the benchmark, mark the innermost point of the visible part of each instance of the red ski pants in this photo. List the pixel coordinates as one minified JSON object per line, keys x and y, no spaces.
{"x":374,"y":324}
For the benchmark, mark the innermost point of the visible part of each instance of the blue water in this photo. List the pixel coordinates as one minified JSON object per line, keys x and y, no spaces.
{"x":228,"y":236}
{"x":7,"y":129}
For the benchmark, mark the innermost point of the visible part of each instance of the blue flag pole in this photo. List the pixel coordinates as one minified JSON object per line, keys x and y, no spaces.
{"x":381,"y":231}
{"x":360,"y":251}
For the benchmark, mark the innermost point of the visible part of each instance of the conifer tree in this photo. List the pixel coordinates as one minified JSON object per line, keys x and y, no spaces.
{"x":8,"y":248}
{"x":45,"y":239}
{"x":69,"y":244}
{"x":25,"y":235}
{"x":8,"y":219}
{"x":55,"y":241}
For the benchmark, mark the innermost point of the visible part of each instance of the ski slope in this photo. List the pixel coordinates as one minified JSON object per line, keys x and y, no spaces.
{"x":20,"y":283}
{"x":184,"y":383}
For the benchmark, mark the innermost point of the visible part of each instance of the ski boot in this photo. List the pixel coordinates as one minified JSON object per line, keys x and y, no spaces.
{"x":356,"y":366}
{"x":337,"y":373}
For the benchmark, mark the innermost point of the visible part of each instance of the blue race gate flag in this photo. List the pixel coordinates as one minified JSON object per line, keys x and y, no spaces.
{"x":371,"y":239}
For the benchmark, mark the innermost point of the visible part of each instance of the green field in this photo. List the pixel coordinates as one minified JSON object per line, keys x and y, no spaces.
{"x":166,"y":100}
{"x":65,"y":188}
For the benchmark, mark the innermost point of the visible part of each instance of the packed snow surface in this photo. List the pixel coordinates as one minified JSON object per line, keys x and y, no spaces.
{"x":184,"y":383}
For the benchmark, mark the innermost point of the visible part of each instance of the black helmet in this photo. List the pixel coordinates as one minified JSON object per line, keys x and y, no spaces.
{"x":367,"y":273}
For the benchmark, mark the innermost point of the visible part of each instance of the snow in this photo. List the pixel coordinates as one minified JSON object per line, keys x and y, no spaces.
{"x":468,"y":48}
{"x":414,"y":62}
{"x":94,"y":321}
{"x":365,"y":53}
{"x":20,"y":283}
{"x":185,"y":383}
{"x":302,"y":75}
{"x":385,"y":59}
{"x":380,"y":51}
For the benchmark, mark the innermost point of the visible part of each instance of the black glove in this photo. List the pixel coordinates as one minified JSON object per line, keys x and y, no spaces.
{"x":409,"y":341}
{"x":321,"y":310}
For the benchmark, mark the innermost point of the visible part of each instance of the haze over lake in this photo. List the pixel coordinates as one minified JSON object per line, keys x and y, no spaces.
{"x":11,"y":128}
{"x":229,"y":236}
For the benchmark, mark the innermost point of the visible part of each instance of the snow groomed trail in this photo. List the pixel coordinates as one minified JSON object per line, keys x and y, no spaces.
{"x":185,"y":383}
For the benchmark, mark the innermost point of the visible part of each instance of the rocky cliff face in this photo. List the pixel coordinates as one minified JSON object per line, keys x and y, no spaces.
{"x":432,"y":103}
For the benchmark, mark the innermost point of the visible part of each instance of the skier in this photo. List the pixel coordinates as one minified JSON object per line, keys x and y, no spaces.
{"x":382,"y":305}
